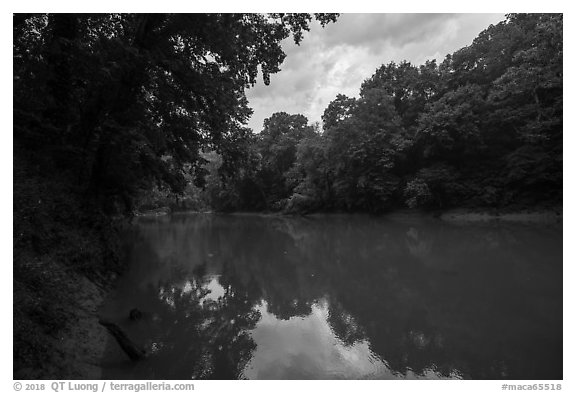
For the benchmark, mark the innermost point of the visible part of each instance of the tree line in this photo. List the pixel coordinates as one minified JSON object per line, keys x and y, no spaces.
{"x":142,"y":110}
{"x":481,"y":129}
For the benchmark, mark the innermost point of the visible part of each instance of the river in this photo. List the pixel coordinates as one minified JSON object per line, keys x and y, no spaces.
{"x":338,"y":297}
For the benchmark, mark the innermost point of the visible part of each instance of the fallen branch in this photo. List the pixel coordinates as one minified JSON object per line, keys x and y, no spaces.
{"x":131,"y":349}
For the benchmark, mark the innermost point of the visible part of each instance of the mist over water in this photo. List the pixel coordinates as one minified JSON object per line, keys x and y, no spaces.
{"x":339,"y":296}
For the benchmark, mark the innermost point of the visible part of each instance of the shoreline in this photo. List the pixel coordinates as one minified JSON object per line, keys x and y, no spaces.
{"x":76,"y":351}
{"x":536,"y":216}
{"x":84,"y":342}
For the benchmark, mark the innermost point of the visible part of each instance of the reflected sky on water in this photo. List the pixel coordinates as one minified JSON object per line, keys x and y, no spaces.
{"x":339,"y":297}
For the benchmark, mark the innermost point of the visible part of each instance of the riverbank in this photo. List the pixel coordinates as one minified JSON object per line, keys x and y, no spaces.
{"x":81,"y":345}
{"x":66,"y":258}
{"x":73,"y":348}
{"x":542,"y":216}
{"x":536,"y":215}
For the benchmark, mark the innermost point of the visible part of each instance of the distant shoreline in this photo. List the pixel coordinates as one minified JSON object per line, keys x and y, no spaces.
{"x":534,"y":215}
{"x":543,"y":216}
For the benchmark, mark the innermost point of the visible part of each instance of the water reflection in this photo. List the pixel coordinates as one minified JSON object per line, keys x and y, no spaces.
{"x":308,"y":348}
{"x":246,"y":296}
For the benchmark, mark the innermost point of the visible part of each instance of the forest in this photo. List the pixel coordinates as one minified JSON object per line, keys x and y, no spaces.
{"x":481,"y":129}
{"x":119,"y":114}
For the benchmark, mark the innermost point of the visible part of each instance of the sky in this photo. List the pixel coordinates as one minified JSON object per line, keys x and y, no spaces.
{"x":338,"y":58}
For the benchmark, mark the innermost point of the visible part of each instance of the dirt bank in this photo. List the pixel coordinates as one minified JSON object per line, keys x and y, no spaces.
{"x":83,"y":343}
{"x":76,"y":350}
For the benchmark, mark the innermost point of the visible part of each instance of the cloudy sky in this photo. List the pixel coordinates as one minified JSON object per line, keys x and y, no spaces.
{"x":339,"y":57}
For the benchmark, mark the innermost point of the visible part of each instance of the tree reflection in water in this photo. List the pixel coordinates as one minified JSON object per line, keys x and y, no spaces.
{"x":247,"y":296}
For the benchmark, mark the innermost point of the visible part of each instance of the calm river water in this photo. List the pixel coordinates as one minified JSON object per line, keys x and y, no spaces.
{"x":339,"y":296}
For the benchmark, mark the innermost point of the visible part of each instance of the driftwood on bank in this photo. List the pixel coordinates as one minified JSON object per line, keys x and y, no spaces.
{"x":132,"y":350}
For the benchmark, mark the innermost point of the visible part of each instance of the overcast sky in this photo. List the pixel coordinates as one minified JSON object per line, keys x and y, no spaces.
{"x":339,"y":57}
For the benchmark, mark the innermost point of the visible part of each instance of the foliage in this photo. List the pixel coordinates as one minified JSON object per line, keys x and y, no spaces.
{"x":409,"y":87}
{"x":277,"y":146}
{"x":111,"y":95}
{"x":338,"y":110}
{"x":484,"y":128}
{"x":417,"y":193}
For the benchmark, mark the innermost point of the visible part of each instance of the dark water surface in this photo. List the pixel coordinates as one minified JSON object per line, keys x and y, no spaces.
{"x":326,"y":297}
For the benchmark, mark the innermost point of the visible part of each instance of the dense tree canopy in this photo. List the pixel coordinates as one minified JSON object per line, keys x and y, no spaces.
{"x":482,"y":129}
{"x":127,"y":99}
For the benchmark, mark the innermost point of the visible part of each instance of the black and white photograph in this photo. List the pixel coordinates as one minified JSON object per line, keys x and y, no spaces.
{"x":287,"y":196}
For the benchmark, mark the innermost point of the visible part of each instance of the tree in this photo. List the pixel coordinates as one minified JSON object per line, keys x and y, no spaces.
{"x":482,"y":129}
{"x":312,"y":174}
{"x":409,"y":87}
{"x":527,"y":100}
{"x":338,"y":110}
{"x":363,"y":150}
{"x":451,"y":128}
{"x":114,"y":93}
{"x":277,"y":145}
